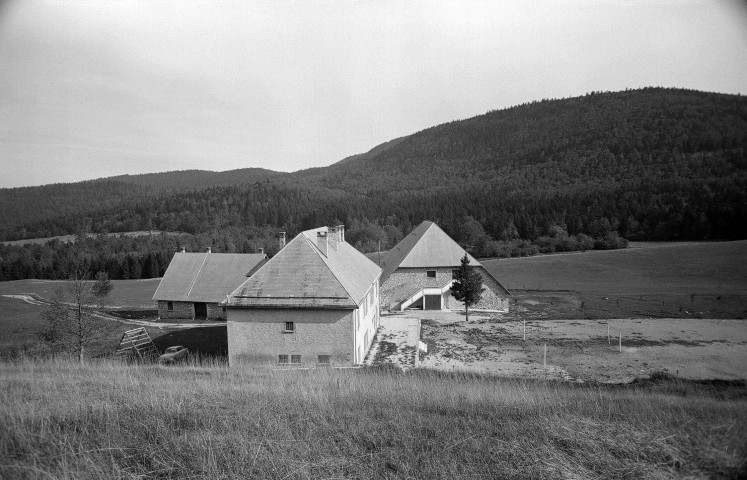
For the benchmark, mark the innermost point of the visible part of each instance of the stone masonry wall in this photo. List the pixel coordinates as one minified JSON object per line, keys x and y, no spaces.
{"x":492,"y":298}
{"x":182,"y":310}
{"x":406,"y":281}
{"x":215,"y":312}
{"x":256,"y":336}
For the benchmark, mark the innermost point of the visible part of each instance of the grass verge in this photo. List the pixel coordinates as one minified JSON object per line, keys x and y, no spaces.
{"x":103,"y":419}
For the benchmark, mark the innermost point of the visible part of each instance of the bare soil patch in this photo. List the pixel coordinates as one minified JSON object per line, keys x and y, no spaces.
{"x":580,"y":350}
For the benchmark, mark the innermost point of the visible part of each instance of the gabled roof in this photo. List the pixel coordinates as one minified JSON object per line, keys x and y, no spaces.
{"x":426,"y":246}
{"x":205,"y":277}
{"x":302,"y":276}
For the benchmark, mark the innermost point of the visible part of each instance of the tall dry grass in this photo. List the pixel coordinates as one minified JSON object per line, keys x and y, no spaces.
{"x":102,"y":419}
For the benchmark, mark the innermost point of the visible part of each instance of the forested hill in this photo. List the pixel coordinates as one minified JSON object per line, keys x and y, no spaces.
{"x":655,"y":163}
{"x":566,"y":144}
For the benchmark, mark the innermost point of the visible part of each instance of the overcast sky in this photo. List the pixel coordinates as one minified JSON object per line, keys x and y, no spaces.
{"x":91,"y":89}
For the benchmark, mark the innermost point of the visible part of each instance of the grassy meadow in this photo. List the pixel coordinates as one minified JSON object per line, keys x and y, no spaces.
{"x":132,"y":294}
{"x":59,"y":419}
{"x":690,"y":279}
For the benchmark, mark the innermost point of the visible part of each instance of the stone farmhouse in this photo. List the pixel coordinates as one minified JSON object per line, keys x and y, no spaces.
{"x":418,"y":272}
{"x":316,"y":302}
{"x":195,"y":284}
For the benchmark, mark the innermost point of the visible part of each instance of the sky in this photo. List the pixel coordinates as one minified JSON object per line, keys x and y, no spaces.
{"x":92,"y":89}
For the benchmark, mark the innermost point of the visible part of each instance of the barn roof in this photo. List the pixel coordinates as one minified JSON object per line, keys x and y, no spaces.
{"x":301,"y":275}
{"x":426,"y":246}
{"x":205,"y":277}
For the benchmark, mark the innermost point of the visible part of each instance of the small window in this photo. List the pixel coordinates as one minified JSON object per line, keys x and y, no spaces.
{"x":323,"y":359}
{"x":290,"y":327}
{"x":170,"y":306}
{"x":282,"y":359}
{"x":296,"y":359}
{"x":430,"y":273}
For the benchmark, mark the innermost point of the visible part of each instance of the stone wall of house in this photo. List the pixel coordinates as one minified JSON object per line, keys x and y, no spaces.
{"x":493,"y":297}
{"x":405,"y":281}
{"x":366,"y":320}
{"x":257,"y":336}
{"x":215,"y":312}
{"x":182,"y":310}
{"x":408,"y":280}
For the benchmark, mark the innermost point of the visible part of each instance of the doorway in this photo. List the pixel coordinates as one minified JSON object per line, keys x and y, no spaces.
{"x":200,"y":310}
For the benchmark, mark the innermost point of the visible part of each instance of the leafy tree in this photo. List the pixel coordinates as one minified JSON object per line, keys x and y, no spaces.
{"x":467,"y":286}
{"x":70,"y":317}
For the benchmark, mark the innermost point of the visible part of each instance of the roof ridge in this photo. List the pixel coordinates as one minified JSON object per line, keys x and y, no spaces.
{"x":319,"y":253}
{"x":194,"y":280}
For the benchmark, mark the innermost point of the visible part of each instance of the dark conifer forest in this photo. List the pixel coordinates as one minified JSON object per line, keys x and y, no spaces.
{"x":553,"y":175}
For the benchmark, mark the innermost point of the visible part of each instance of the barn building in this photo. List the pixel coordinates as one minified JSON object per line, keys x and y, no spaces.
{"x":418,"y":272}
{"x":195,"y":284}
{"x":316,"y":302}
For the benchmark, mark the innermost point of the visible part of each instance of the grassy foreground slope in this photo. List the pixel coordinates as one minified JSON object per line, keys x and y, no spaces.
{"x":104,"y":420}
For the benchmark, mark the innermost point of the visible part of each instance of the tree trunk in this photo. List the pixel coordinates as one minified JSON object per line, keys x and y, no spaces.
{"x":466,"y":312}
{"x":80,"y":332}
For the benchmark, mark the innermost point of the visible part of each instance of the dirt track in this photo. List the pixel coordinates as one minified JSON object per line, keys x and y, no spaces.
{"x":142,"y":323}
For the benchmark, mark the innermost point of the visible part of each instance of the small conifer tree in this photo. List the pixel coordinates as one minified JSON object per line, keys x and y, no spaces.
{"x":467,"y":286}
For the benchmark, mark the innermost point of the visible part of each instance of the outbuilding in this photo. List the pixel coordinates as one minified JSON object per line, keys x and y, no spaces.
{"x":195,"y":284}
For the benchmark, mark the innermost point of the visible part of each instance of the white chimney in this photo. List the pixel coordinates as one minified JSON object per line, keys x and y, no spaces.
{"x":332,"y":237}
{"x":340,"y":232}
{"x":184,"y":250}
{"x":281,"y":240}
{"x":207,"y":250}
{"x":321,"y":242}
{"x":261,"y":250}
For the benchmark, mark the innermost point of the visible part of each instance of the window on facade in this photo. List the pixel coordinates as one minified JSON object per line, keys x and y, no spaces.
{"x":323,"y":359}
{"x":282,"y":359}
{"x":430,"y":273}
{"x":170,"y":306}
{"x":290,"y":327}
{"x":296,"y":359}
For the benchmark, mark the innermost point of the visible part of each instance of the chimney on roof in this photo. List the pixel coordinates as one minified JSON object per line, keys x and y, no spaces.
{"x":340,"y":232}
{"x":332,"y":237}
{"x":281,"y":240}
{"x":207,"y":250}
{"x":321,"y":242}
{"x":261,"y":251}
{"x":184,"y":250}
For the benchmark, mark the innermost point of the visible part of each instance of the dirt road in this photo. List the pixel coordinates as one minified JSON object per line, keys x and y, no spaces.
{"x":142,"y":323}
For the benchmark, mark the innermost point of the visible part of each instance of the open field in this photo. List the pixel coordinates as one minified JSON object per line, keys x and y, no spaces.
{"x":71,"y":238}
{"x":690,"y":280}
{"x":104,"y":420}
{"x":129,"y":294}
